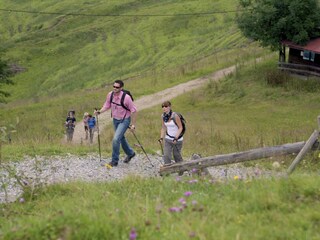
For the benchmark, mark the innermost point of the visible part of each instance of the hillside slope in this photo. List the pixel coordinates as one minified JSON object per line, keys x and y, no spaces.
{"x":66,"y":46}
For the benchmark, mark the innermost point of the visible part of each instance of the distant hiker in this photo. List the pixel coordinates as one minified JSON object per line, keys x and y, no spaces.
{"x":124,"y":113}
{"x":70,"y":125}
{"x":91,"y":125}
{"x":85,"y":123}
{"x":170,"y":134}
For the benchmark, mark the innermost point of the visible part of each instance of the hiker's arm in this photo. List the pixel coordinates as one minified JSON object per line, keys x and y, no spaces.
{"x":133,"y":120}
{"x":162,"y":131}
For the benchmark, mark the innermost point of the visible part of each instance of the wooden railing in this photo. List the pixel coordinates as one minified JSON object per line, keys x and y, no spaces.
{"x":301,"y":69}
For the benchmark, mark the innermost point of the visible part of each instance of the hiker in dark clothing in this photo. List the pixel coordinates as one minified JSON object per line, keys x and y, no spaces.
{"x":85,"y":124}
{"x":70,"y":125}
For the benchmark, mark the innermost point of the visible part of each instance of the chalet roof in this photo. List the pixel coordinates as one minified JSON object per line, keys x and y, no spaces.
{"x":313,"y":45}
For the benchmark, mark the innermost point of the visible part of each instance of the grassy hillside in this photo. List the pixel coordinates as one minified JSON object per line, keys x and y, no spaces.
{"x":68,"y":59}
{"x":104,"y":41}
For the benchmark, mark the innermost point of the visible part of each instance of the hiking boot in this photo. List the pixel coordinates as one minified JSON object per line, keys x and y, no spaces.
{"x":113,"y":164}
{"x":128,"y":159}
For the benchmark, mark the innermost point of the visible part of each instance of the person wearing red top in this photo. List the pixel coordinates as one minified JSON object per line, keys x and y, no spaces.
{"x":123,"y":118}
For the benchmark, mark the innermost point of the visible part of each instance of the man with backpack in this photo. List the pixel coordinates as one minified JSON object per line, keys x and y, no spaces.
{"x":171,"y":134}
{"x":123,"y":112}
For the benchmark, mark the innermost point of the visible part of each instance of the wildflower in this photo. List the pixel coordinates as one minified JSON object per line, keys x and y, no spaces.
{"x":187,"y":194}
{"x":133,"y":234}
{"x":193,"y":181}
{"x":175,"y":209}
{"x":183,"y":202}
{"x":21,"y":200}
{"x":178,"y":179}
{"x":194,"y":202}
{"x":194,"y":170}
{"x":236,"y":177}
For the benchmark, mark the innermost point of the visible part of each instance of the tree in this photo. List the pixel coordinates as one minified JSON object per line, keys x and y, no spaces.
{"x":5,"y":73}
{"x":271,"y":21}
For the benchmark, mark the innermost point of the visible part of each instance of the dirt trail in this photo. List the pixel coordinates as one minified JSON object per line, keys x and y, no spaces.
{"x":152,"y":100}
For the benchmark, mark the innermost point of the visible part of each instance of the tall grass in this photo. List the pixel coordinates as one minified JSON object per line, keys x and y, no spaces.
{"x":169,"y":209}
{"x":66,"y":53}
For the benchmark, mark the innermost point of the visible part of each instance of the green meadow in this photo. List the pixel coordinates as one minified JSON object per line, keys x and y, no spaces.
{"x":170,"y":209}
{"x":70,"y":53}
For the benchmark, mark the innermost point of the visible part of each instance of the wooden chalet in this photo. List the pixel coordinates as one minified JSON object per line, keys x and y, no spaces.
{"x":303,"y":60}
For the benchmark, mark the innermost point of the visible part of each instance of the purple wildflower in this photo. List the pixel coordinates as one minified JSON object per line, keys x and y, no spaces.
{"x":187,"y":194}
{"x":178,"y":179}
{"x":183,"y":202}
{"x":194,"y":202}
{"x":133,"y":234}
{"x":21,"y":200}
{"x":193,"y":181}
{"x":175,"y":209}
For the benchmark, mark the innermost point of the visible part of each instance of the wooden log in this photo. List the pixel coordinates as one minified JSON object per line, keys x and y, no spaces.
{"x":313,"y":138}
{"x":231,"y":158}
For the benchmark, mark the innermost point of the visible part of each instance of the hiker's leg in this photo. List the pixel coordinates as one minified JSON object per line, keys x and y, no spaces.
{"x":91,"y":134}
{"x":167,"y":151}
{"x":86,"y":130}
{"x":120,"y":130}
{"x":71,"y":135}
{"x":177,"y":152}
{"x":124,"y":143}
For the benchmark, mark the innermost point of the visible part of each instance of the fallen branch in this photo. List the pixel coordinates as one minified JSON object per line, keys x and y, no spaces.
{"x":237,"y":157}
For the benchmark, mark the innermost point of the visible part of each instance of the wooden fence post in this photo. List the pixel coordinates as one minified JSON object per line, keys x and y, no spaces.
{"x":312,"y":139}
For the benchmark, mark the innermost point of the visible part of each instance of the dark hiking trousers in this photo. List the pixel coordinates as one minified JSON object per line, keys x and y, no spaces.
{"x":69,"y":132}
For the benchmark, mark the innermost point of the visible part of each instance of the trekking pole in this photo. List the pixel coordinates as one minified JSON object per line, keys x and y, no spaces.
{"x":98,"y":135}
{"x":142,"y":148}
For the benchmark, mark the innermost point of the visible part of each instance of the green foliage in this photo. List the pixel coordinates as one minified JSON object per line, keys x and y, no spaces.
{"x":269,"y":22}
{"x":243,"y":209}
{"x":5,"y":74}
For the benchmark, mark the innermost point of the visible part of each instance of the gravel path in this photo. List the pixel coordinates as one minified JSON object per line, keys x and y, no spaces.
{"x":43,"y":171}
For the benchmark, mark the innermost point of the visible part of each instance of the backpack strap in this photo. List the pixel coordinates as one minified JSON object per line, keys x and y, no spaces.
{"x":173,"y":117}
{"x":121,"y":101}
